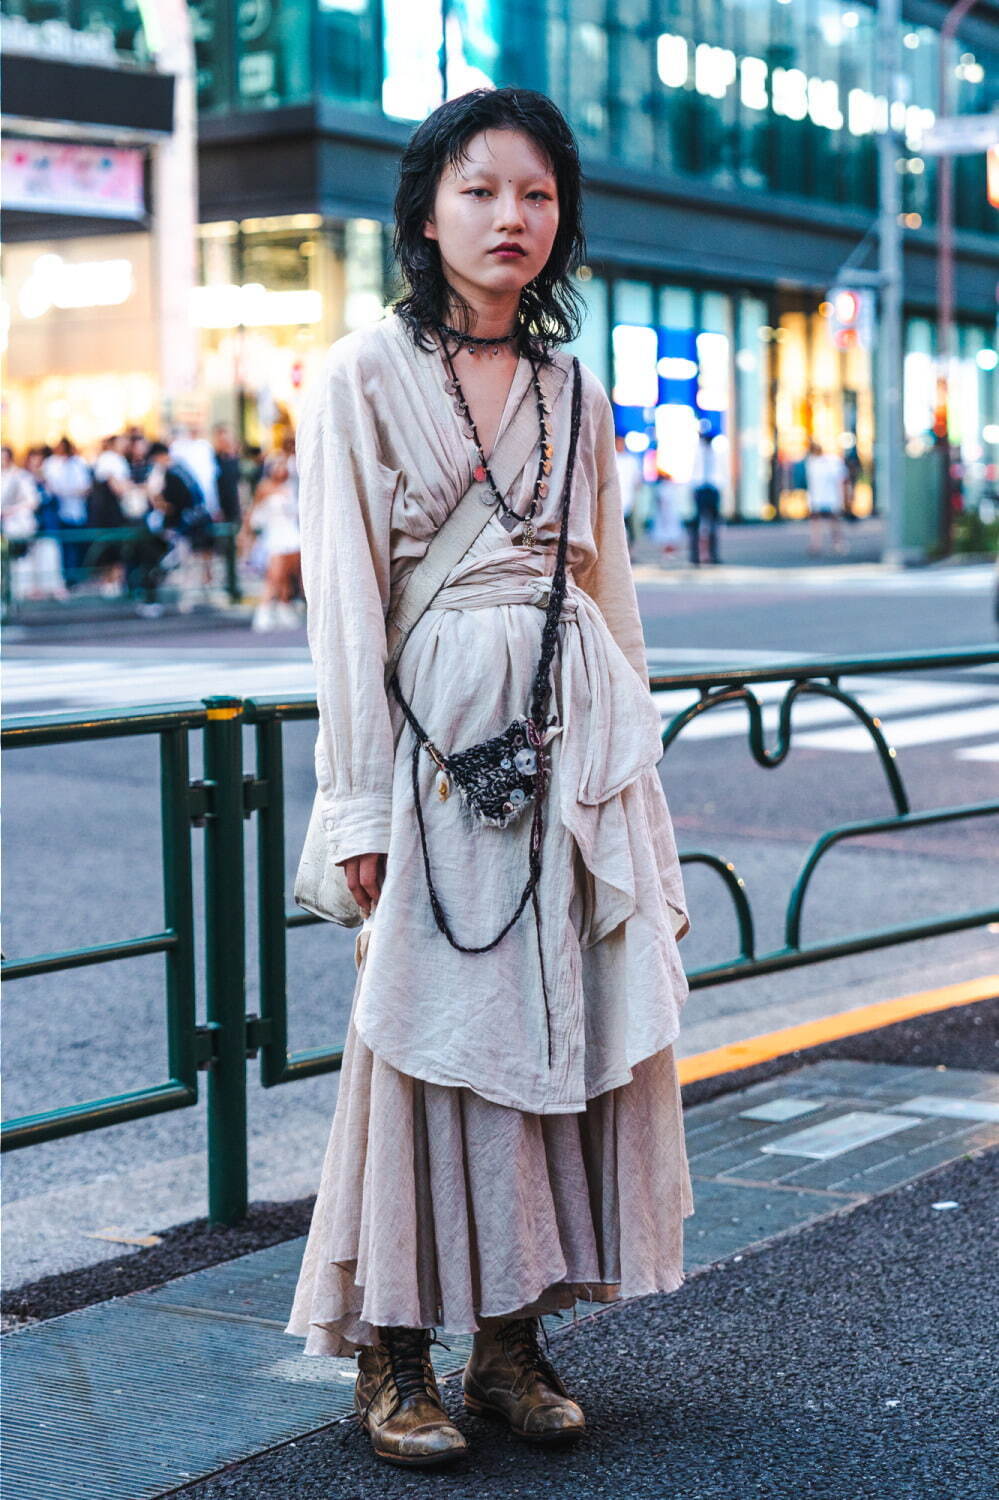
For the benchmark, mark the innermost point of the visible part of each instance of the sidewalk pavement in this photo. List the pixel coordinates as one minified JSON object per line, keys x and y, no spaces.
{"x":833,"y":1338}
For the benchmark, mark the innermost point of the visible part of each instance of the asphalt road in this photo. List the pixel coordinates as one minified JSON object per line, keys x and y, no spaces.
{"x":82,"y":866}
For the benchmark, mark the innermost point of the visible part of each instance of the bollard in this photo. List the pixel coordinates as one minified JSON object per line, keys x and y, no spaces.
{"x":225,"y":961}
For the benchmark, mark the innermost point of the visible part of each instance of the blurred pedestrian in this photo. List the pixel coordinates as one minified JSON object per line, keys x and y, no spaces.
{"x":706,"y":483}
{"x":69,"y":478}
{"x":192,"y":452}
{"x":827,"y":480}
{"x":667,"y":527}
{"x":18,"y":519}
{"x":274,"y":518}
{"x":105,"y":511}
{"x":228,"y":473}
{"x":629,"y":478}
{"x":46,"y":580}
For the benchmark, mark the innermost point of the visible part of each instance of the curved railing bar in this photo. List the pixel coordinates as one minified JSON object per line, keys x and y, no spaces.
{"x":736,"y":888}
{"x":795,"y":906}
{"x":771,"y":759}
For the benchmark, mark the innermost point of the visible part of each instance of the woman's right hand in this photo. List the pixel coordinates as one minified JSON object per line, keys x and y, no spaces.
{"x":365,"y":875}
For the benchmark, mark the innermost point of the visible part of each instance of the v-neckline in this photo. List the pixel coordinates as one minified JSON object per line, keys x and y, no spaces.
{"x":517,"y":389}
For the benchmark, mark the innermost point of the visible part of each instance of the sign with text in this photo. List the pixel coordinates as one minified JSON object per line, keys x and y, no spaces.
{"x":62,"y":178}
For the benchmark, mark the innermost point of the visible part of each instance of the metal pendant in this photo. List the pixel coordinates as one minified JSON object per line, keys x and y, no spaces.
{"x":527,"y":540}
{"x":508,"y":522}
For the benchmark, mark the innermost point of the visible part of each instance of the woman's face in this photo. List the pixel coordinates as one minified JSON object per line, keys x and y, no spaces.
{"x":503,"y":194}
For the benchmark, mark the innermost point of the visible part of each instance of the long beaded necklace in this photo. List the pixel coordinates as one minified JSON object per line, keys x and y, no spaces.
{"x":482,"y":474}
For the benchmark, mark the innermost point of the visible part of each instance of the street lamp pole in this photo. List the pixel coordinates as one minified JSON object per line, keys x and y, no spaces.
{"x":945,"y":257}
{"x":889,"y":475}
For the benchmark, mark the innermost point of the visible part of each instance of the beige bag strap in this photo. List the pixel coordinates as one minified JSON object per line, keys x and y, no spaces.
{"x":465,"y":523}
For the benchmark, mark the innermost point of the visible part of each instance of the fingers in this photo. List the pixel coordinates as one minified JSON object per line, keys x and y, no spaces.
{"x":364,"y":874}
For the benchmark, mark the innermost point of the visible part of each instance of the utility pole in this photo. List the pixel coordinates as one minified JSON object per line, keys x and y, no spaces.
{"x":175,"y":197}
{"x":945,"y":261}
{"x":889,"y":479}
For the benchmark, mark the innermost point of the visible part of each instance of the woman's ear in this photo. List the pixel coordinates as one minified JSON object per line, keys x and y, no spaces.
{"x":430,"y":230}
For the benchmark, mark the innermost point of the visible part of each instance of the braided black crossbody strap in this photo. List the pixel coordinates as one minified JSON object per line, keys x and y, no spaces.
{"x":540,"y":699}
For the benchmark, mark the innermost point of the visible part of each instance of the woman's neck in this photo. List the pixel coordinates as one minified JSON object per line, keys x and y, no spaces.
{"x":488,"y":320}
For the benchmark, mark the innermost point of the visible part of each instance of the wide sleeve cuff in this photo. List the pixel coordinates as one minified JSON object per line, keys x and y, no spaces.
{"x":358,"y":824}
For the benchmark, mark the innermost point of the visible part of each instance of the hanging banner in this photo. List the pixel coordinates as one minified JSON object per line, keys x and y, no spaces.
{"x":60,"y":178}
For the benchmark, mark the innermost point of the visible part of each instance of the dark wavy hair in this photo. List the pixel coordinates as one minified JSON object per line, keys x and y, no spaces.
{"x":551,"y":309}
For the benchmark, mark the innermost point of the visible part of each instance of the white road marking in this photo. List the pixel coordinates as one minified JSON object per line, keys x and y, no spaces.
{"x":928,"y":729}
{"x":979,"y":752}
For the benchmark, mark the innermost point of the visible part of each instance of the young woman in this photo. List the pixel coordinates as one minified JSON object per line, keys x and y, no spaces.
{"x":507,"y":1136}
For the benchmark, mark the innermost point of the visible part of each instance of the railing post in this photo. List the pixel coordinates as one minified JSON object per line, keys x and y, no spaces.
{"x":225,"y":961}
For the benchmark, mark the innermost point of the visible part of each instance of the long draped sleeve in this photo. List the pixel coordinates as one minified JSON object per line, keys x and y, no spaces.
{"x":609,"y":580}
{"x":345,"y":499}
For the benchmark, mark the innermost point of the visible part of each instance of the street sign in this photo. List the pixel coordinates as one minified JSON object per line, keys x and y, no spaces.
{"x":961,"y":135}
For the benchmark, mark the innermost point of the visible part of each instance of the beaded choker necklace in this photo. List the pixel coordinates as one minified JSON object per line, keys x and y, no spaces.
{"x":473,"y":343}
{"x":482,"y":474}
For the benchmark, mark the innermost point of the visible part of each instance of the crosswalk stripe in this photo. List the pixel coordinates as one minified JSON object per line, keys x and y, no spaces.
{"x":979,"y":752}
{"x":925,"y":730}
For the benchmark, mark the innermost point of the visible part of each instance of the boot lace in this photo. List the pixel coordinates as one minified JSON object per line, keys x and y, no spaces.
{"x":409,"y":1357}
{"x":519,"y":1339}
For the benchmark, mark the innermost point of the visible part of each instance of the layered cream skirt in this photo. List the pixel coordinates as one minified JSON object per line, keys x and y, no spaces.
{"x":437,"y":1208}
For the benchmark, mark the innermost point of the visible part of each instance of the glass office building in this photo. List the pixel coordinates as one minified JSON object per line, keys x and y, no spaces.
{"x":730,"y":151}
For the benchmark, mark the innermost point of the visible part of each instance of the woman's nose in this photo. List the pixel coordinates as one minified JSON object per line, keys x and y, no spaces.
{"x":509,"y":213}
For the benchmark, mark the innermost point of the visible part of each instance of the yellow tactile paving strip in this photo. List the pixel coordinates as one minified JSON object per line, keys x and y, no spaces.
{"x":759,"y":1049}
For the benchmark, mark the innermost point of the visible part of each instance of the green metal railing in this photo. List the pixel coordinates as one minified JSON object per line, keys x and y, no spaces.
{"x":95,"y":541}
{"x":228,"y":796}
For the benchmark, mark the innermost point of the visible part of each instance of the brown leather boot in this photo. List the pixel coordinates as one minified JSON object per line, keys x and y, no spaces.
{"x":398,"y":1401}
{"x":508,"y":1375}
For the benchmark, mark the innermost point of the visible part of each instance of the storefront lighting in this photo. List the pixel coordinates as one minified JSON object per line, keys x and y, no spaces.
{"x":917,"y":165}
{"x":790,"y":93}
{"x":753,"y":74}
{"x":714,"y":70}
{"x":746,"y":360}
{"x":677,"y":368}
{"x":636,"y":442}
{"x":911,"y":40}
{"x":253,"y":306}
{"x":850,"y":19}
{"x":54,"y":282}
{"x":636,"y":380}
{"x":825,"y":309}
{"x":987,"y":359}
{"x":990,"y":433}
{"x":671,"y":60}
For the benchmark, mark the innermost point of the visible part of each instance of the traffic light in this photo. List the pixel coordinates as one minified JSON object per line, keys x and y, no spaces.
{"x":849,"y":318}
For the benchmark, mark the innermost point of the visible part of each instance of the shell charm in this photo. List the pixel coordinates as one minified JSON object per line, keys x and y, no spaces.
{"x":479,"y":474}
{"x":443,"y":787}
{"x":526,"y":762}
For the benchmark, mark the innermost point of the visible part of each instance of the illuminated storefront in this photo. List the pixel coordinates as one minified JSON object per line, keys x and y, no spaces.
{"x":81,"y":359}
{"x":274,"y":295}
{"x":770,"y":377}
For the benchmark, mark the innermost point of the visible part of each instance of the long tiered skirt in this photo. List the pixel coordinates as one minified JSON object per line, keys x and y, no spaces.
{"x":437,"y":1208}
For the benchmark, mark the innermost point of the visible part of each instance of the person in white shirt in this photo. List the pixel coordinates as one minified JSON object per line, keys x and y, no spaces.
{"x":67,"y":476}
{"x":826,"y":478}
{"x":705,"y":482}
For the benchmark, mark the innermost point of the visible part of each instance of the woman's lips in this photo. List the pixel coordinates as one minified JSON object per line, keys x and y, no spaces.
{"x":505,"y":252}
